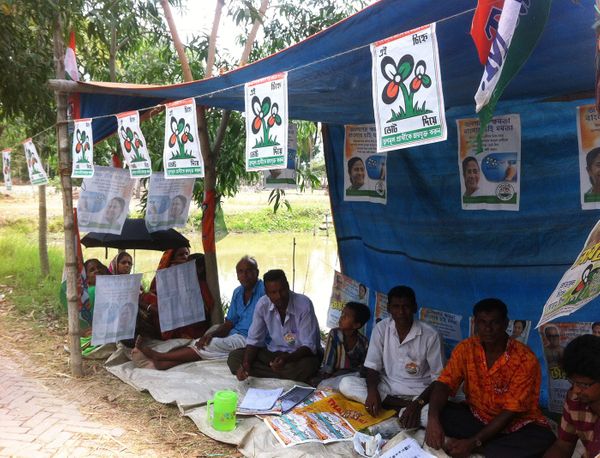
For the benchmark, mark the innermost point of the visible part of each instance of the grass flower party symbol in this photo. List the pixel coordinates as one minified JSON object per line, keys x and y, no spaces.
{"x":265,"y":117}
{"x":131,"y":141}
{"x":397,"y":74}
{"x":83,"y":145}
{"x":31,"y":161}
{"x":180,"y":135}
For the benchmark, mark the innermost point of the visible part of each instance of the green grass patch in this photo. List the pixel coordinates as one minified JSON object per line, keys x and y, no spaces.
{"x":299,"y":219}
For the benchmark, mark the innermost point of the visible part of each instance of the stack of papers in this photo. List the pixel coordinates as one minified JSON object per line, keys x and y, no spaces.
{"x":261,"y":402}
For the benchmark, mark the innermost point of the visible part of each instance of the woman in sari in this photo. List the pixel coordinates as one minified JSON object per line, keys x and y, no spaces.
{"x":121,"y":264}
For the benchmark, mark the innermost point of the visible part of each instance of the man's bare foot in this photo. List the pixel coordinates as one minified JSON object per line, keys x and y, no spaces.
{"x":148,"y":352}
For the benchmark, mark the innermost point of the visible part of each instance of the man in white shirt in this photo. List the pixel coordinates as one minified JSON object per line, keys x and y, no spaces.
{"x":404,"y":357}
{"x":284,"y":339}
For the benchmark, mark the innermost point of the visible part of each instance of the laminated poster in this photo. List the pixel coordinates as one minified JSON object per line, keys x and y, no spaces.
{"x":82,"y":150}
{"x":285,"y":178}
{"x":181,"y":153}
{"x":555,"y":337}
{"x":37,"y":174}
{"x":381,"y":311}
{"x":168,"y":202}
{"x":364,"y":169}
{"x":115,"y":308}
{"x":588,"y":139}
{"x":6,"y":169}
{"x":446,"y":323}
{"x":490,"y":180}
{"x":133,"y":144}
{"x":179,"y":298}
{"x":578,"y":285}
{"x":104,"y":201}
{"x":408,"y":100}
{"x":344,"y":289}
{"x":266,"y":123}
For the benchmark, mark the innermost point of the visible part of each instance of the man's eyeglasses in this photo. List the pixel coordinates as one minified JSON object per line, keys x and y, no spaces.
{"x":581,"y":385}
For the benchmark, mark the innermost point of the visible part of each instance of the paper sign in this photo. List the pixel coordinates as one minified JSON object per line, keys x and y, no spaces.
{"x":285,"y":178}
{"x":381,"y":311}
{"x":364,"y":169}
{"x":408,"y":101}
{"x":104,"y":200}
{"x":37,"y":175}
{"x":168,"y":202}
{"x":266,"y":123}
{"x":490,"y":180}
{"x":115,"y":308}
{"x":446,"y":323}
{"x":179,"y":297}
{"x":588,"y":139}
{"x":6,"y":168}
{"x":82,"y":150}
{"x":181,"y":153}
{"x":299,"y":428}
{"x":579,"y":285}
{"x":408,"y":448}
{"x":133,"y":144}
{"x":344,"y":289}
{"x":519,"y":330}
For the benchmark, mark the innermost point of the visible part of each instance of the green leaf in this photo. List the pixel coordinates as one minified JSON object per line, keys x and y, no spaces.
{"x":426,"y":80}
{"x":180,"y":125}
{"x":266,"y":106}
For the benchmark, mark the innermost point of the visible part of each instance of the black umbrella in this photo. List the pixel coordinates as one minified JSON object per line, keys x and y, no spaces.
{"x":135,"y":236}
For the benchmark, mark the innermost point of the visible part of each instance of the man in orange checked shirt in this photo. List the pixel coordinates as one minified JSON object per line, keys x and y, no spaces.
{"x":501,"y":377}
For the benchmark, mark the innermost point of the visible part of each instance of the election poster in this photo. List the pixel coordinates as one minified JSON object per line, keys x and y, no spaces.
{"x":285,"y":178}
{"x":37,"y":174}
{"x":588,"y":139}
{"x":578,"y":285}
{"x":490,"y":180}
{"x":519,"y":330}
{"x":266,"y":123}
{"x":82,"y":149}
{"x":345,"y":289}
{"x":133,"y":144}
{"x":446,"y":323}
{"x":181,"y":153}
{"x":408,"y":99}
{"x":104,"y":200}
{"x":179,"y":297}
{"x":168,"y":202}
{"x":115,"y":308}
{"x":6,"y":169}
{"x":555,"y":337}
{"x":365,"y":169}
{"x":381,"y":311}
{"x":295,"y":428}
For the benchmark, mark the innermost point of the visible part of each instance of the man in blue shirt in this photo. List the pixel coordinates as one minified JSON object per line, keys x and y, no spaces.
{"x":230,"y":335}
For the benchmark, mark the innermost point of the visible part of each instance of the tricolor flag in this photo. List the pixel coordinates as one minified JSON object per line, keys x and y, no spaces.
{"x":72,"y":73}
{"x":485,"y":25}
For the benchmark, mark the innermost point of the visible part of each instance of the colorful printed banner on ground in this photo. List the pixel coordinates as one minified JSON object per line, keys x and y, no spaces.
{"x":490,"y":180}
{"x":266,"y":123}
{"x":179,"y":298}
{"x":381,"y":311}
{"x":133,"y":144}
{"x":168,"y":202}
{"x":555,"y":337}
{"x":579,"y":285}
{"x":82,"y":150}
{"x":365,"y":170}
{"x":285,"y":178}
{"x":588,"y":139}
{"x":37,"y":174}
{"x":446,"y":323}
{"x":104,"y":200}
{"x":344,"y":289}
{"x":181,"y":154}
{"x":408,"y":100}
{"x":6,"y":169}
{"x":115,"y":308}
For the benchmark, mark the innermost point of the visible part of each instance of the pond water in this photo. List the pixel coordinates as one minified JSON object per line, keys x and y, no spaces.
{"x":309,"y":272}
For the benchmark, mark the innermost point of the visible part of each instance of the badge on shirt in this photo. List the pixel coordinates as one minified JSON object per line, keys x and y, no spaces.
{"x":411,"y":368}
{"x":290,"y":338}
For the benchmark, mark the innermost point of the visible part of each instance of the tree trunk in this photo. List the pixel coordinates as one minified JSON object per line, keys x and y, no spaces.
{"x":43,"y":232}
{"x":67,"y":192}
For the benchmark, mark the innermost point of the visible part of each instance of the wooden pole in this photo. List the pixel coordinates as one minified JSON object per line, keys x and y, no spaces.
{"x":67,"y":194}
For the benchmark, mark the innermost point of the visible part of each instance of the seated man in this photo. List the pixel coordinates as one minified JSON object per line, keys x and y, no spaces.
{"x":228,"y":336}
{"x":404,"y":357}
{"x":285,"y":322}
{"x":501,"y":380}
{"x":581,"y":410}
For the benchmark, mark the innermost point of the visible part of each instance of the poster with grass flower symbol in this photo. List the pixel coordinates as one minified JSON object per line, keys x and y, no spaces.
{"x":408,"y":100}
{"x":133,"y":144}
{"x":82,"y":150}
{"x":181,"y":154}
{"x":6,"y":168}
{"x":37,"y":174}
{"x":267,"y":123}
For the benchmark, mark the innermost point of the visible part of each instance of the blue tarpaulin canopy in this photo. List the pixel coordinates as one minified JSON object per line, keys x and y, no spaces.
{"x":422,"y":237}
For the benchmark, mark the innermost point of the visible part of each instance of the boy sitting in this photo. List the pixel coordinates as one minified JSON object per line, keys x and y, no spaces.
{"x":346,"y":348}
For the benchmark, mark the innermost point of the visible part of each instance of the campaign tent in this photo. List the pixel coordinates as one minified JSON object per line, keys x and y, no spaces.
{"x":422,"y":238}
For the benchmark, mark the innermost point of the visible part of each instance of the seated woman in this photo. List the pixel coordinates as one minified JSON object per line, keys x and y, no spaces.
{"x":121,"y":264}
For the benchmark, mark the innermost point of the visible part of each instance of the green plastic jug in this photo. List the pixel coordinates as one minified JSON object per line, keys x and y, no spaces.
{"x":224,"y":405}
